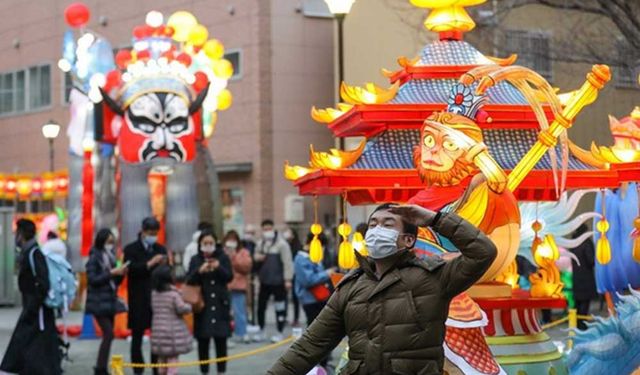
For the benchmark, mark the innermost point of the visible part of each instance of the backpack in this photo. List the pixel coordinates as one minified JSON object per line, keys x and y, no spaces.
{"x":62,"y":282}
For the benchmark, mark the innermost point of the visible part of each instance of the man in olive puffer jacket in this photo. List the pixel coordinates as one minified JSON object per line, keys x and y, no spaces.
{"x":394,"y":306}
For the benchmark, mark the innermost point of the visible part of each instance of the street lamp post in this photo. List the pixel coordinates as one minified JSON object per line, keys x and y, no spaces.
{"x":50,"y":131}
{"x":340,"y":9}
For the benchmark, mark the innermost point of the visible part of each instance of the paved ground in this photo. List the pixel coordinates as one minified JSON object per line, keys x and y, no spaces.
{"x":83,"y":352}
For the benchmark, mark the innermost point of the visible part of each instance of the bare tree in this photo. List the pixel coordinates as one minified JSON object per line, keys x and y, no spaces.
{"x":597,"y":33}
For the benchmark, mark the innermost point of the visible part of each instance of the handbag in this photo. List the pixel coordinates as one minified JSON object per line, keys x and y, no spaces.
{"x":321,"y":292}
{"x":192,"y":294}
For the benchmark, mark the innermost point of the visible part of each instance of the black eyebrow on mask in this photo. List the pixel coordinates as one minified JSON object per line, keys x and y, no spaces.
{"x":142,"y":119}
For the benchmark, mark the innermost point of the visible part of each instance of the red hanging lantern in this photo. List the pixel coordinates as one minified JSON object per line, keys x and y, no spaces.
{"x":36,"y":186}
{"x":48,"y":186}
{"x":3,"y":186}
{"x":24,"y":187}
{"x":77,"y":15}
{"x":10,"y":188}
{"x":62,"y":184}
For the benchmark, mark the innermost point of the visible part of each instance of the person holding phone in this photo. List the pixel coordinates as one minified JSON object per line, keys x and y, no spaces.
{"x":145,"y":254}
{"x":103,"y":277}
{"x":211,"y":270}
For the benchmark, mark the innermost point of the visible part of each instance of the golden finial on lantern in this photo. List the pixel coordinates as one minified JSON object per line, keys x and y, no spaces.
{"x":603,"y":247}
{"x":346,"y":254}
{"x":316,"y":253}
{"x":448,"y":15}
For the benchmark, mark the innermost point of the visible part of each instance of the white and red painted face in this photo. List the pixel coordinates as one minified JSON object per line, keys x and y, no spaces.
{"x":157,"y":125}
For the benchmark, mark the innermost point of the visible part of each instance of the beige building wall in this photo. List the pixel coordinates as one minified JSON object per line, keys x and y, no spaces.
{"x":286,"y":68}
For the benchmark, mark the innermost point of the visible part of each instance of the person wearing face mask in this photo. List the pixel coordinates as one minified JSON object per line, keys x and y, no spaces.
{"x":273,"y":257}
{"x":103,"y":278}
{"x":241,"y":263}
{"x":33,"y":347}
{"x":394,"y":306}
{"x":211,"y":270}
{"x":143,"y":256}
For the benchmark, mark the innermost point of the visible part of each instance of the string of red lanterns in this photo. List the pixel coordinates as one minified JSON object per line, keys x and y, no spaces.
{"x":25,"y":186}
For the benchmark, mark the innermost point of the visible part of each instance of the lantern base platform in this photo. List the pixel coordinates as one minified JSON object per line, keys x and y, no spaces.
{"x":516,"y":337}
{"x":490,"y":290}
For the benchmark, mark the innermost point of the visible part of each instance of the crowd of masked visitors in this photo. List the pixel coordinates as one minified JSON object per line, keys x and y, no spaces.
{"x":235,"y":279}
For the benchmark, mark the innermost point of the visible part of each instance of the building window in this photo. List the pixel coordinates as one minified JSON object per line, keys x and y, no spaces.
{"x":533,"y":49}
{"x":235,"y":57}
{"x":39,"y":86}
{"x":628,"y":69}
{"x":6,"y":93}
{"x":25,"y":90}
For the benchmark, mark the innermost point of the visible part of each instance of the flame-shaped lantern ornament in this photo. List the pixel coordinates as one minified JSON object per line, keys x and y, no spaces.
{"x":346,"y":255}
{"x":537,"y":227}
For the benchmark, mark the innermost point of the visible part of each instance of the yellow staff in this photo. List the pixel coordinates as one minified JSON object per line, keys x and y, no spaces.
{"x":596,"y":79}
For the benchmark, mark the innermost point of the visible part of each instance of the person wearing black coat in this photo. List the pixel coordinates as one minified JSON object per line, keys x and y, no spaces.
{"x":211,"y":270}
{"x":103,"y":278}
{"x":584,"y":280}
{"x":143,"y":255}
{"x":34,"y":345}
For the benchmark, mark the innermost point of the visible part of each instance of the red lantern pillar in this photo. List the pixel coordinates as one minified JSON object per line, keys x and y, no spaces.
{"x":158,"y":189}
{"x":87,"y":201}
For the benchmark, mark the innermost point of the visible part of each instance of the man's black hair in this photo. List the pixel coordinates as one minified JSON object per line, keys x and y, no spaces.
{"x":267,"y":222}
{"x":407,"y":227}
{"x":205,"y":225}
{"x":150,"y":223}
{"x":26,"y":228}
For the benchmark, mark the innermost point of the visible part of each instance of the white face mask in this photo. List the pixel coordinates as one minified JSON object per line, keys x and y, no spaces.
{"x":150,"y":240}
{"x":381,"y":242}
{"x":109,"y":247}
{"x":231,"y":244}
{"x":269,"y":235}
{"x":208,"y":249}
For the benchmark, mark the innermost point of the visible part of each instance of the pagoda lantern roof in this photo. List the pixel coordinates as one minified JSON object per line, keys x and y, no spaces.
{"x":390,"y":119}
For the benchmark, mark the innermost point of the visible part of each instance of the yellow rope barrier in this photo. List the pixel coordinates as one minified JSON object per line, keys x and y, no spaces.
{"x":555,"y":323}
{"x":572,"y":318}
{"x":118,"y":364}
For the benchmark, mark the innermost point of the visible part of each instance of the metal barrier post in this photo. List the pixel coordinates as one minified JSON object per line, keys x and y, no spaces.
{"x":116,"y":364}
